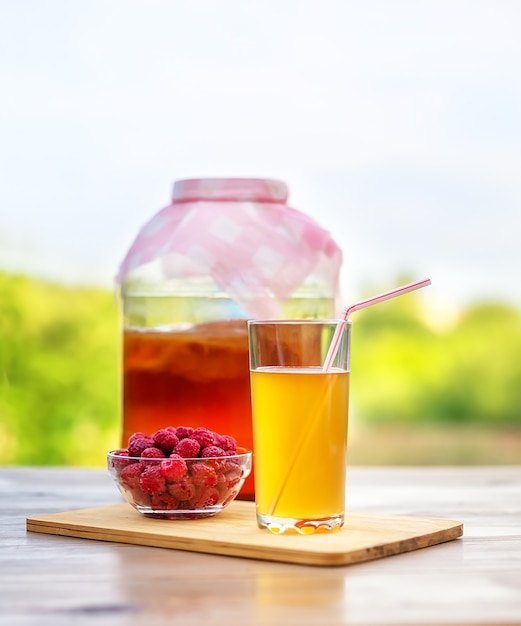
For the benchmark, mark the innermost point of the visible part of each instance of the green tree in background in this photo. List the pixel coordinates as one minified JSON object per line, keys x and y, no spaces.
{"x":404,"y":370}
{"x":59,"y":397}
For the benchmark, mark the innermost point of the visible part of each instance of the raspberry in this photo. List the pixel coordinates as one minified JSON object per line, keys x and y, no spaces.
{"x":182,"y":432}
{"x":139,"y":442}
{"x":137,"y":435}
{"x":174,"y":468}
{"x":233,"y":473}
{"x":226,"y":442}
{"x":232,"y":463}
{"x":229,"y":496}
{"x":151,"y":480}
{"x":202,"y":474}
{"x":184,"y":490}
{"x":139,"y":498}
{"x":217,"y":463}
{"x":207,"y":497}
{"x":131,"y":474}
{"x":211,"y":451}
{"x":164,"y":501}
{"x":204,"y":436}
{"x":166,"y":440}
{"x":119,"y":464}
{"x":120,"y":452}
{"x":187,"y":448}
{"x":221,"y":476}
{"x":152,"y":453}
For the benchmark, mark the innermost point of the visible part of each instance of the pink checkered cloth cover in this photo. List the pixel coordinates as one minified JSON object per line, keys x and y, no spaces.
{"x":242,"y":233}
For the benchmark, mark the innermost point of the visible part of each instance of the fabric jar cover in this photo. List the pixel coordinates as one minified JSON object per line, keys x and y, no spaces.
{"x":242,"y":234}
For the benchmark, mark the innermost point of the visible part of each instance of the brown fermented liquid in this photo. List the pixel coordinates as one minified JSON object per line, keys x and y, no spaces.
{"x":195,"y":377}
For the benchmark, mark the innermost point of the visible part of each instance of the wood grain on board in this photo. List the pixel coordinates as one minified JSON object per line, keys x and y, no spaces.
{"x":234,"y":532}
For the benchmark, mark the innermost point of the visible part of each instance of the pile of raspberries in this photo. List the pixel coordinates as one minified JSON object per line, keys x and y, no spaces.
{"x":178,"y":468}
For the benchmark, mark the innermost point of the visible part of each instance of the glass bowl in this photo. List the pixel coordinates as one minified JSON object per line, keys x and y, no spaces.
{"x":178,"y":489}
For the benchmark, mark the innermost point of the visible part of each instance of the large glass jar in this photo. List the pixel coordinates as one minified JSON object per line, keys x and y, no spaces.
{"x":224,"y":251}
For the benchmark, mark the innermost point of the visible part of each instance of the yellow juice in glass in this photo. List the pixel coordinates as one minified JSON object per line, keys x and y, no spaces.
{"x":300,"y":417}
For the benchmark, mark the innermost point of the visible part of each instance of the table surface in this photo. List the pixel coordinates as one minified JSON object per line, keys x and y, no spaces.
{"x":46,"y":579}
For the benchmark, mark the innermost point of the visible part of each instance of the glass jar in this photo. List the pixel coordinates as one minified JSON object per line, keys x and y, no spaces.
{"x":224,"y":251}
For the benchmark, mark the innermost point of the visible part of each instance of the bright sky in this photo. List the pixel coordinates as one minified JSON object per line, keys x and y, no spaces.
{"x":395,"y":123}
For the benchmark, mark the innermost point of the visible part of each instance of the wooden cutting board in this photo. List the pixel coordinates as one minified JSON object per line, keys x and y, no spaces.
{"x":234,"y":532}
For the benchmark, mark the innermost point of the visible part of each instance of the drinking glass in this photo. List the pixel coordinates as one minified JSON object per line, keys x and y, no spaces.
{"x":300,"y":419}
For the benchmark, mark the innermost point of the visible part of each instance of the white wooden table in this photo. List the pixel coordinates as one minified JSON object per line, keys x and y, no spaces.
{"x":47,"y":579}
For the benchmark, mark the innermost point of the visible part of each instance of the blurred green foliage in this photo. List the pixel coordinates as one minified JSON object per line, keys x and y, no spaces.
{"x":406,"y":370}
{"x":59,"y":376}
{"x":60,"y":353}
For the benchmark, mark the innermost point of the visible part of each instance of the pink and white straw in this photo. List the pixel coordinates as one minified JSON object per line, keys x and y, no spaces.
{"x":387,"y":295}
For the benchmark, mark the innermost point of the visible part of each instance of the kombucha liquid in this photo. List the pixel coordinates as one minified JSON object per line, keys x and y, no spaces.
{"x":196,"y":377}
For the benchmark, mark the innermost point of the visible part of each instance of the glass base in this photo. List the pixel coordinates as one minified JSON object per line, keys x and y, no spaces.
{"x":290,"y":525}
